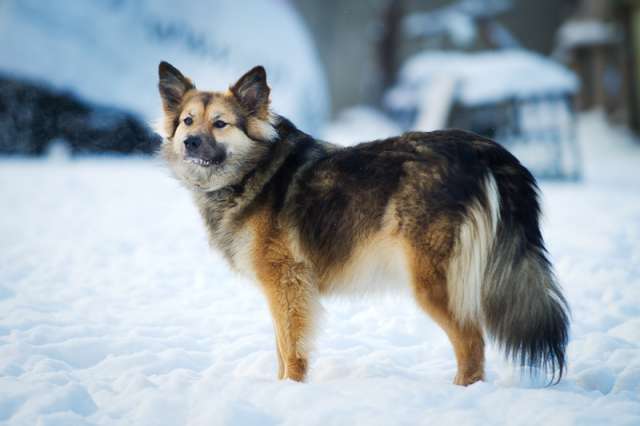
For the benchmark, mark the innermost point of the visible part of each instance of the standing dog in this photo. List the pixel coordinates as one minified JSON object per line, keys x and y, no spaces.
{"x":450,"y":215}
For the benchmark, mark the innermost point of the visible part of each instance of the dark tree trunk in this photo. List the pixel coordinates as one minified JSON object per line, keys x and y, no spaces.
{"x":389,"y":43}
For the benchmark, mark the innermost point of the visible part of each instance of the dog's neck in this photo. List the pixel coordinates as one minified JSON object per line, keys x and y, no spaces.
{"x":266,"y":165}
{"x":222,"y":209}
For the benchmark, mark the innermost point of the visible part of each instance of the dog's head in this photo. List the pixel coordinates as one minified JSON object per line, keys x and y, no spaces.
{"x":211,"y":139}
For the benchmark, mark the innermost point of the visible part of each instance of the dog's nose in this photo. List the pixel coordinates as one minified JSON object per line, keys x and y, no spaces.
{"x":192,"y":142}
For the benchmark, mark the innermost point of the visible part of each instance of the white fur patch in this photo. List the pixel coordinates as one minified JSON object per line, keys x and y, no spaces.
{"x":242,"y":255}
{"x":466,"y":271}
{"x":236,"y":142}
{"x":378,"y":267}
{"x":265,"y":130}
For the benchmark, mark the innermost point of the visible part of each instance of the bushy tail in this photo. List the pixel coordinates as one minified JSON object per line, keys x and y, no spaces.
{"x":523,"y":308}
{"x":500,"y":276}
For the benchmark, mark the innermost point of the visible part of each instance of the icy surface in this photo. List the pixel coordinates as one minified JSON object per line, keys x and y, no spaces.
{"x":114,"y":312}
{"x":107,"y":51}
{"x":484,"y":77}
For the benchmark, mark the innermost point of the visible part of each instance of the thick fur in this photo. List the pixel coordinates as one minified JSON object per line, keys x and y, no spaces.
{"x":449,"y":215}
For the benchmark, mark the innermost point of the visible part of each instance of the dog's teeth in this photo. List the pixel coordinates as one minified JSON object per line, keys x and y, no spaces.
{"x":200,"y":162}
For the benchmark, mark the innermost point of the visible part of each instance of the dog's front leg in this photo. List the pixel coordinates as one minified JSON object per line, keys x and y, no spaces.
{"x":293,"y":301}
{"x":279,"y":354}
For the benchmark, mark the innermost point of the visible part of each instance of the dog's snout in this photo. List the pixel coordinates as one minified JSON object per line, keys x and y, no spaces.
{"x":192,"y":143}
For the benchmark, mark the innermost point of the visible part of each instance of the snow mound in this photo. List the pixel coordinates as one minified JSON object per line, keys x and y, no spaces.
{"x":107,"y":51}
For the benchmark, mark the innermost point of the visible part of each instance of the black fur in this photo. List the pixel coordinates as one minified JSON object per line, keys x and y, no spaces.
{"x":530,"y":318}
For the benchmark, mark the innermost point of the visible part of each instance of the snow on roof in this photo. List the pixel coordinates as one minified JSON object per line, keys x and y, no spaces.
{"x":483,"y":77}
{"x":587,"y":32}
{"x":108,"y":51}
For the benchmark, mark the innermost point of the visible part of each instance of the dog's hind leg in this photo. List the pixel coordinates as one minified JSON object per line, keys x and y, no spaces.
{"x":430,"y":291}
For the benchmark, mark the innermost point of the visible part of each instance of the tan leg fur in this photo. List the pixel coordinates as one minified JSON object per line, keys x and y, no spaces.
{"x":292,"y":297}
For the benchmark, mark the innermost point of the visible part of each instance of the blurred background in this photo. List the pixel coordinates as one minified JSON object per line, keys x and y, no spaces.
{"x":113,"y":310}
{"x":80,"y":77}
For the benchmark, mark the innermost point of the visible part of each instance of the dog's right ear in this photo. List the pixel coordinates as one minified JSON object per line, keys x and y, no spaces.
{"x":173,"y":86}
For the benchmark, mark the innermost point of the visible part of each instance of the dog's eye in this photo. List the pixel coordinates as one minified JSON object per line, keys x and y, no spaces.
{"x":219,"y":124}
{"x":188,"y":121}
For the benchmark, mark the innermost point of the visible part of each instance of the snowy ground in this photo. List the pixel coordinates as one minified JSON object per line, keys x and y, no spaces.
{"x":113,"y":311}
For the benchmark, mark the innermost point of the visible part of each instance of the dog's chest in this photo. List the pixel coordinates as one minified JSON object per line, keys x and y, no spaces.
{"x":241,"y":253}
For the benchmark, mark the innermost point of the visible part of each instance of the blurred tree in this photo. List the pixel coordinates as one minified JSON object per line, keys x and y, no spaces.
{"x":600,"y":42}
{"x":32,"y":116}
{"x":388,"y":45}
{"x":628,"y":12}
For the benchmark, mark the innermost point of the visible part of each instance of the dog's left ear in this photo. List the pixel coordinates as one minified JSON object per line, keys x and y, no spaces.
{"x":173,"y":86}
{"x":252,"y":91}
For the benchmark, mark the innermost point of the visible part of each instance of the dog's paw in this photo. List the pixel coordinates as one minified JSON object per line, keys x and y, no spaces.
{"x":467,"y":379}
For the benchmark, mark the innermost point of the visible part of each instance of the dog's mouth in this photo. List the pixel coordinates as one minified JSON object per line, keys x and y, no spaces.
{"x":206,"y":162}
{"x":204,"y":151}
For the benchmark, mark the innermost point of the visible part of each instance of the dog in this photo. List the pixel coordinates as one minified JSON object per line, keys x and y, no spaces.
{"x":449,"y":215}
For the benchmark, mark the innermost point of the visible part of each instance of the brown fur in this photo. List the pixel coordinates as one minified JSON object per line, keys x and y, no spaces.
{"x":430,"y":291}
{"x":290,"y":289}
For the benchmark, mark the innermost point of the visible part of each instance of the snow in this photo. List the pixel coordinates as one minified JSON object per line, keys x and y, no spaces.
{"x":436,"y":102}
{"x":546,"y":140}
{"x":360,"y":123}
{"x":483,"y":77}
{"x":577,"y":33}
{"x":459,"y":26}
{"x":115,"y":312}
{"x":107,"y":51}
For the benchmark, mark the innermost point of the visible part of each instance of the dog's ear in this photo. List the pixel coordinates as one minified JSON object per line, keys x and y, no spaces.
{"x":252,"y":91}
{"x":172,"y":85}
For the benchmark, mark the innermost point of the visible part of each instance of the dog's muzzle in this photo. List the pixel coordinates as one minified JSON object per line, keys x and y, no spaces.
{"x":204,"y":151}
